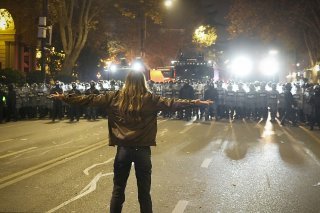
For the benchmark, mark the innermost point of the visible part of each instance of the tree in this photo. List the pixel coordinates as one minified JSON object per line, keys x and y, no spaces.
{"x":75,"y":20}
{"x":205,"y":36}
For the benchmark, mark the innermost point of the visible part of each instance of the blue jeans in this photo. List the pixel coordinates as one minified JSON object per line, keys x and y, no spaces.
{"x":141,"y":157}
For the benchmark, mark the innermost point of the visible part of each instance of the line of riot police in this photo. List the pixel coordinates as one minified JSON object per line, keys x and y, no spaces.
{"x":31,"y":101}
{"x":289,"y":103}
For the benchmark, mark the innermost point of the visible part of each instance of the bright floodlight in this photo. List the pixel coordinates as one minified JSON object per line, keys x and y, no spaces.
{"x":269,"y":66}
{"x":168,"y":3}
{"x":137,"y":66}
{"x":113,"y":68}
{"x":242,"y":66}
{"x":273,"y":52}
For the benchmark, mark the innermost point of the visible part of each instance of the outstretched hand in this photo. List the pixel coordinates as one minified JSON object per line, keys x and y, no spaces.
{"x":57,"y":96}
{"x":199,"y":102}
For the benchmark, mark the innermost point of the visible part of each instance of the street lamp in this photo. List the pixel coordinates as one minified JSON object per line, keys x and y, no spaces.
{"x":168,"y":3}
{"x":143,"y":24}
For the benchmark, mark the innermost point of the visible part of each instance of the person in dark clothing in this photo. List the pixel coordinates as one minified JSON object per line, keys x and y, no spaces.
{"x":186,"y":92}
{"x":132,"y":125}
{"x":315,"y":103}
{"x":289,"y":113}
{"x":56,"y":104}
{"x":2,"y":104}
{"x":210,"y":94}
{"x":92,"y":111}
{"x":74,"y":110}
{"x":11,"y":103}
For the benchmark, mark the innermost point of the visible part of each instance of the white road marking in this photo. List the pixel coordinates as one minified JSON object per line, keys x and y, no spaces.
{"x":86,"y":190}
{"x":21,"y":175}
{"x":163,"y":132}
{"x":6,"y":140}
{"x":18,"y":152}
{"x":180,"y":207}
{"x":86,"y":171}
{"x":161,"y":121}
{"x":187,"y":128}
{"x":206,"y":162}
{"x":312,"y":156}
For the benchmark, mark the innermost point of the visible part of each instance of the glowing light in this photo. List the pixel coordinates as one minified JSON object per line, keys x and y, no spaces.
{"x":137,"y":66}
{"x":168,"y":3}
{"x":269,"y":66}
{"x":3,"y":23}
{"x":205,"y":36}
{"x":6,"y":20}
{"x":242,"y":66}
{"x":113,"y":68}
{"x":98,"y":75}
{"x":273,"y":52}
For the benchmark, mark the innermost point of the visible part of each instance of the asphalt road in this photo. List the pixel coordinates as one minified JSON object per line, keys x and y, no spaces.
{"x":197,"y":167}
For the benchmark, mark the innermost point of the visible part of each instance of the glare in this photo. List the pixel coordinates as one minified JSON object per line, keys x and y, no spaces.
{"x":113,"y":68}
{"x":137,"y":66}
{"x":168,"y":3}
{"x":269,"y":66}
{"x":242,"y":66}
{"x":3,"y":23}
{"x":273,"y":52}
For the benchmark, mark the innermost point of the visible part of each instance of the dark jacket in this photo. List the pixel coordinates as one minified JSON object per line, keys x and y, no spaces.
{"x":186,"y":92}
{"x":131,"y":132}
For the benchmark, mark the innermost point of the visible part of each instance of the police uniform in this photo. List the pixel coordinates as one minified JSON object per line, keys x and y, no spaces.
{"x":240,"y":102}
{"x":273,"y":102}
{"x":230,"y":101}
{"x":262,"y":100}
{"x":92,"y":111}
{"x":221,"y":101}
{"x":251,"y":99}
{"x":74,"y":110}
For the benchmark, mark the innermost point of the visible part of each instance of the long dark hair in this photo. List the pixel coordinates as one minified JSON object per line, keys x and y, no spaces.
{"x":131,"y":95}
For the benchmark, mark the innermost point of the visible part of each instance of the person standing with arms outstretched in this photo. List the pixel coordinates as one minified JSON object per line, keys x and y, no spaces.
{"x":132,"y":124}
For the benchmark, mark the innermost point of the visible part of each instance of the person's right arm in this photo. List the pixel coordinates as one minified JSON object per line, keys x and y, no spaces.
{"x":86,"y":100}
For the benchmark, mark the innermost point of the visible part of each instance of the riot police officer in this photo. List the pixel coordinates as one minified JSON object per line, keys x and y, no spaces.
{"x":210,"y":94}
{"x":315,"y":103}
{"x":230,"y":101}
{"x":220,"y":101}
{"x":298,"y":100}
{"x":251,"y":98}
{"x":92,"y":111}
{"x":168,"y":93}
{"x":187,"y":92}
{"x":56,"y":104}
{"x":288,"y":106}
{"x":74,"y":110}
{"x":240,"y":102}
{"x":281,"y":102}
{"x":11,"y":103}
{"x":2,"y":103}
{"x":273,"y":101}
{"x":262,"y":108}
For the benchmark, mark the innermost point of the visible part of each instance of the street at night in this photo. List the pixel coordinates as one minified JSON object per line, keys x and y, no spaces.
{"x":198,"y":166}
{"x":160,"y":106}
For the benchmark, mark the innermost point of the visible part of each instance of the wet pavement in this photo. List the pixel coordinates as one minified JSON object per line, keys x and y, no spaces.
{"x":198,"y":166}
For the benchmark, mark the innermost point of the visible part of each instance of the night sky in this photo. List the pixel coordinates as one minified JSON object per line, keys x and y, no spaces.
{"x":186,"y":13}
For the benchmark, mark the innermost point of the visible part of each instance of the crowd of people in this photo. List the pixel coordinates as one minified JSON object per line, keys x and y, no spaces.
{"x":289,"y":103}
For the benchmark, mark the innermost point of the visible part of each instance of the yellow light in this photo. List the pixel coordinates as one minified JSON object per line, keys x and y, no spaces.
{"x":3,"y":23}
{"x":168,"y":3}
{"x":205,"y":36}
{"x":6,"y":21}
